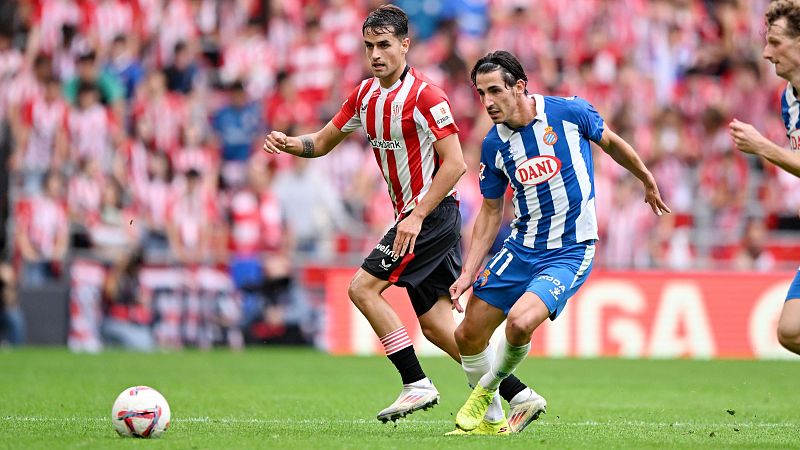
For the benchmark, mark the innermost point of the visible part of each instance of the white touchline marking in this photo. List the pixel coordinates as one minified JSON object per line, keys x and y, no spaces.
{"x":540,"y":423}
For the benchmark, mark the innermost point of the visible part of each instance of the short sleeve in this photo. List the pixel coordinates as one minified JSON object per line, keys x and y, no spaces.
{"x":434,"y":106}
{"x":493,"y":181}
{"x":348,"y":118}
{"x":588,"y":119}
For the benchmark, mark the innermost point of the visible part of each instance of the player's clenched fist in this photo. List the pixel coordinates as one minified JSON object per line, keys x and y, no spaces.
{"x":275,"y":142}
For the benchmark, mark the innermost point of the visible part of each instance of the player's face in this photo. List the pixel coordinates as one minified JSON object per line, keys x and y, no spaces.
{"x":386,"y":54}
{"x":499,"y":100}
{"x":782,"y":49}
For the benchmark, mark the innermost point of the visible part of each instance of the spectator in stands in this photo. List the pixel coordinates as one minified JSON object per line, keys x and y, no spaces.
{"x":41,"y":140}
{"x":322,"y":214}
{"x":238,"y":125}
{"x":181,"y":73}
{"x":753,"y":254}
{"x":24,"y":88}
{"x":112,"y":92}
{"x":160,"y":116}
{"x":191,"y":221}
{"x":84,"y":200}
{"x":93,"y":130}
{"x":12,"y":321}
{"x":127,"y":315}
{"x":113,"y":234}
{"x":152,"y":197}
{"x":125,"y":65}
{"x":42,"y":232}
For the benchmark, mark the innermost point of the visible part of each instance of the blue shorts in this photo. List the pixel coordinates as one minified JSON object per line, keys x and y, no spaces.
{"x":554,"y":275}
{"x":794,"y":288}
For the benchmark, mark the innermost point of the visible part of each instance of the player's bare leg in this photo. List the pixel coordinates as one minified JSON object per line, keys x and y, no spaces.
{"x":789,"y":326}
{"x":439,"y":327}
{"x":418,"y":391}
{"x":524,"y":317}
{"x":526,"y":314}
{"x":472,"y":336}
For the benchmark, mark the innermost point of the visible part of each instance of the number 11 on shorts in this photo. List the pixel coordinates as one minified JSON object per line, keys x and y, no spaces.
{"x":509,"y":257}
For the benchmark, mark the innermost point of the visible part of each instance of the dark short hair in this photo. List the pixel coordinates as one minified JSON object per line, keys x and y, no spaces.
{"x":387,"y":19}
{"x":85,"y":87}
{"x":785,"y":8}
{"x":508,"y":64}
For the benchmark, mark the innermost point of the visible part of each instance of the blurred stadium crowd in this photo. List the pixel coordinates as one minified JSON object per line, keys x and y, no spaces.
{"x":131,"y":129}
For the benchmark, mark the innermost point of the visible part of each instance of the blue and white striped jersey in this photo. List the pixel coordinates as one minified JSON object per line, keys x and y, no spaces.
{"x":790,"y":109}
{"x":549,"y":165}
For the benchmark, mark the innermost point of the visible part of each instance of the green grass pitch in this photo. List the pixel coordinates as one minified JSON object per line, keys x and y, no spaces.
{"x":298,"y":398}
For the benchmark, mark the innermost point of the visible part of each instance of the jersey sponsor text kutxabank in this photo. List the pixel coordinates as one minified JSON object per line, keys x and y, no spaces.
{"x":401,"y":122}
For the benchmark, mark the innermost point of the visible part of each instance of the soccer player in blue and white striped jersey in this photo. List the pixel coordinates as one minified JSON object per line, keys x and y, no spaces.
{"x":541,"y":147}
{"x":782,"y":50}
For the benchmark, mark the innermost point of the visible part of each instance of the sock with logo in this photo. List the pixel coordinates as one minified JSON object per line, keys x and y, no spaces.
{"x":401,"y":353}
{"x":507,"y":360}
{"x":475,"y":366}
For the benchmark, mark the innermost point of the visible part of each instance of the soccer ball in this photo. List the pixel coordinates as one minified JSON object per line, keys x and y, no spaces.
{"x":140,"y":411}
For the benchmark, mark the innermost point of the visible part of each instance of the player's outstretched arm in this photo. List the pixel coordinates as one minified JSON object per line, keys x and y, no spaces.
{"x":749,"y":140}
{"x":487,"y":224}
{"x":311,"y":145}
{"x":450,"y":171}
{"x":622,"y":152}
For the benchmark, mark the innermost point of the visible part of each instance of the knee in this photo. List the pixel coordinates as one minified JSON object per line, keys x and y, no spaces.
{"x":431,"y":333}
{"x":357,"y":292}
{"x":789,"y":337}
{"x":469,"y":343}
{"x":519,"y":330}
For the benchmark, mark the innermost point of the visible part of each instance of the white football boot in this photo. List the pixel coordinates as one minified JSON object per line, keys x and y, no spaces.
{"x":525,"y":410}
{"x":415,"y":396}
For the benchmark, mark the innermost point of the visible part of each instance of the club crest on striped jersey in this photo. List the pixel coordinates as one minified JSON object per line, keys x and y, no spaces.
{"x":442,"y":115}
{"x":550,"y":137}
{"x":538,"y":170}
{"x":397,"y":110}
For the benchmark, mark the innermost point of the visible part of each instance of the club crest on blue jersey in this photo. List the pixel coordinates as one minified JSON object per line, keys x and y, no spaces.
{"x":550,"y":137}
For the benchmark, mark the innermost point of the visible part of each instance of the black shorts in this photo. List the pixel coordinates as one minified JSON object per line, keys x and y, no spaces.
{"x":435,"y":264}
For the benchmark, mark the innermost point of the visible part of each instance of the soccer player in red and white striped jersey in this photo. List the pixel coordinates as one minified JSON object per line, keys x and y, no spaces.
{"x":414,"y":139}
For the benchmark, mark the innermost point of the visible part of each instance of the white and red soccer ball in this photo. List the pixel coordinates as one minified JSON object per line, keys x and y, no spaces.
{"x":140,"y":411}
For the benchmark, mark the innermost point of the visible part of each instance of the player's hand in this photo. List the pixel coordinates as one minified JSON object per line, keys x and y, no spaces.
{"x":407,"y":232}
{"x":653,"y":198}
{"x":275,"y":142}
{"x":746,"y":137}
{"x":457,"y":289}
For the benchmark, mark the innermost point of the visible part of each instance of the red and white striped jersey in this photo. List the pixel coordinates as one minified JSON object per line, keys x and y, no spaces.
{"x":111,"y":18}
{"x":164,"y":117}
{"x":90,"y":133}
{"x":84,"y":197}
{"x":402,"y":123}
{"x":50,"y":17}
{"x":43,"y":119}
{"x":202,"y":159}
{"x":43,"y":219}
{"x":256,"y":222}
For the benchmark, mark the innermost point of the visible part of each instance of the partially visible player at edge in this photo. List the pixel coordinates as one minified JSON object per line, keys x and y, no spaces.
{"x":410,"y":126}
{"x":541,"y":146}
{"x":782,"y":50}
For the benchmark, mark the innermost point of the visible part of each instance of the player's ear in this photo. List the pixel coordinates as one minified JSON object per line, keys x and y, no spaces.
{"x":519,"y":87}
{"x":405,"y":44}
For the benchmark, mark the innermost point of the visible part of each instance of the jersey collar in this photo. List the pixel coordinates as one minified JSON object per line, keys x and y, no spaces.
{"x":396,"y":83}
{"x":505,"y":132}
